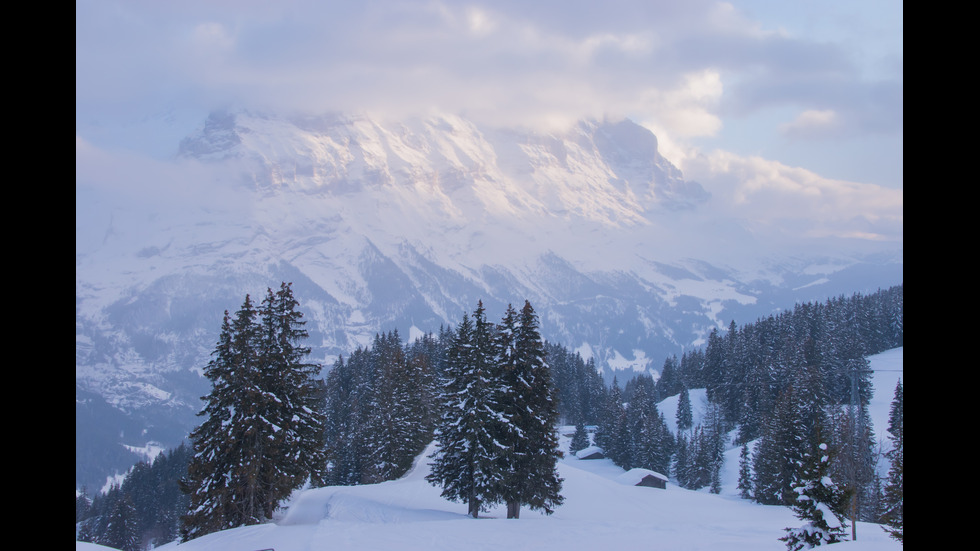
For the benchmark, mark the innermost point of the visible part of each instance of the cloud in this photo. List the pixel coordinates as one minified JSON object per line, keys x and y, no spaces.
{"x":498,"y":59}
{"x":772,"y":198}
{"x":691,"y":71}
{"x":812,"y":122}
{"x":134,"y":178}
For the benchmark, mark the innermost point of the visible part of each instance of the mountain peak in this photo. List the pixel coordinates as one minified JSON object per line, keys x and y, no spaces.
{"x":600,"y":171}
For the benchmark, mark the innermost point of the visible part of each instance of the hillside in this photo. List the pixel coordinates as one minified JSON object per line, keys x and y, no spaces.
{"x":600,"y":512}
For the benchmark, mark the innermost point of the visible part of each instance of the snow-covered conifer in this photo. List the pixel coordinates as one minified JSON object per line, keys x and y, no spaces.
{"x":894,"y":493}
{"x":531,"y":450}
{"x":819,"y":502}
{"x":262,"y":435}
{"x":466,"y":463}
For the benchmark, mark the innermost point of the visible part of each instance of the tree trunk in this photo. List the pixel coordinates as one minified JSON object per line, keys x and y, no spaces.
{"x":474,"y":507}
{"x":513,"y":509}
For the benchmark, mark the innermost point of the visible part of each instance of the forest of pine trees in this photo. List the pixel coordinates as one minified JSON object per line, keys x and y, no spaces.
{"x":143,"y":511}
{"x":776,"y":382}
{"x":787,"y":383}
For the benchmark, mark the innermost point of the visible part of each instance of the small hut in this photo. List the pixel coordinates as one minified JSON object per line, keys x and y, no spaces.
{"x":592,"y":452}
{"x":643,"y":477}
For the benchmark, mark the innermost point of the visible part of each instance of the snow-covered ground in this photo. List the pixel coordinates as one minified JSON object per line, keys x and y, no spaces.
{"x":599,"y":512}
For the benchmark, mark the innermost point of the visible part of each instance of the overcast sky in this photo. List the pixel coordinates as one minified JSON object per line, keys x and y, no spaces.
{"x":796,"y":102}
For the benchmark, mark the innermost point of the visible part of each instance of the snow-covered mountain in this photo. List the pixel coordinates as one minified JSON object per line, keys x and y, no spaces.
{"x":403,"y":226}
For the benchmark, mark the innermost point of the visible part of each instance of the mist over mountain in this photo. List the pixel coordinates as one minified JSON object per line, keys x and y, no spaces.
{"x":405,"y":225}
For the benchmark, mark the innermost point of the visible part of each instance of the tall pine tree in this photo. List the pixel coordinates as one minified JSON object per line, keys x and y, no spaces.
{"x":531,"y":442}
{"x":465,"y":465}
{"x":817,"y":501}
{"x":685,"y":417}
{"x":262,"y":435}
{"x":207,"y":482}
{"x":295,"y":392}
{"x":894,"y":495}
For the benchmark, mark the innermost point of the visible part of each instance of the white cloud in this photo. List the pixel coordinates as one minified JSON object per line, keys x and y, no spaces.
{"x":480,"y":21}
{"x":766,"y":194}
{"x":688,"y":70}
{"x":812,"y":122}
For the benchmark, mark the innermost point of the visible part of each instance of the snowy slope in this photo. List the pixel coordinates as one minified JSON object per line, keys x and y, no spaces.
{"x":599,"y":512}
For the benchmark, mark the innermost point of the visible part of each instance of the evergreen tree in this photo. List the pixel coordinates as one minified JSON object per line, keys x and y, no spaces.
{"x":758,"y":388}
{"x":669,"y":382}
{"x":121,"y":530}
{"x":699,"y":460}
{"x":207,"y":483}
{"x":86,"y":531}
{"x":681,"y":462}
{"x":744,"y":473}
{"x":262,"y":436}
{"x":665,"y":445}
{"x":800,"y":416}
{"x":684,"y":415}
{"x":893,"y":491}
{"x":570,"y":382}
{"x":83,"y":505}
{"x":650,"y":442}
{"x":714,"y":445}
{"x":295,"y":397}
{"x":530,"y":437}
{"x":398,"y":426}
{"x":606,"y":436}
{"x":465,"y":463}
{"x":593,"y":391}
{"x":817,"y":501}
{"x":619,"y":442}
{"x":580,"y":440}
{"x":349,"y":397}
{"x":248,"y":431}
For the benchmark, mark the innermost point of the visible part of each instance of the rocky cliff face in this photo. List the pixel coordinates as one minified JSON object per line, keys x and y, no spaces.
{"x":406,"y":225}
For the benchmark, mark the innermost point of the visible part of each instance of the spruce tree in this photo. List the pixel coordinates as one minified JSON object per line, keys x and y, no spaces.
{"x":122,"y":527}
{"x":206,"y":482}
{"x":800,"y":416}
{"x":894,"y":495}
{"x":262,"y":435}
{"x":248,"y":431}
{"x":349,"y":397}
{"x":682,"y":462}
{"x":664,"y":444}
{"x":83,"y":504}
{"x":610,"y":413}
{"x":295,"y":393}
{"x":669,"y":382}
{"x":466,"y":463}
{"x":531,"y":457}
{"x":744,"y":473}
{"x":580,"y":440}
{"x":685,"y":417}
{"x":704,"y":458}
{"x":398,"y":426}
{"x":819,"y":502}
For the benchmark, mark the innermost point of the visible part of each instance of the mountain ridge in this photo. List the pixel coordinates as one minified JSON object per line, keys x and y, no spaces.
{"x":406,"y":226}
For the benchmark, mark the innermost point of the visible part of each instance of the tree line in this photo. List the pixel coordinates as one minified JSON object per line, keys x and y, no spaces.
{"x":140,"y":512}
{"x":772,"y":382}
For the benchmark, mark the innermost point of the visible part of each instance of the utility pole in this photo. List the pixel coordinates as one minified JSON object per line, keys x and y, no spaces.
{"x":857,"y":424}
